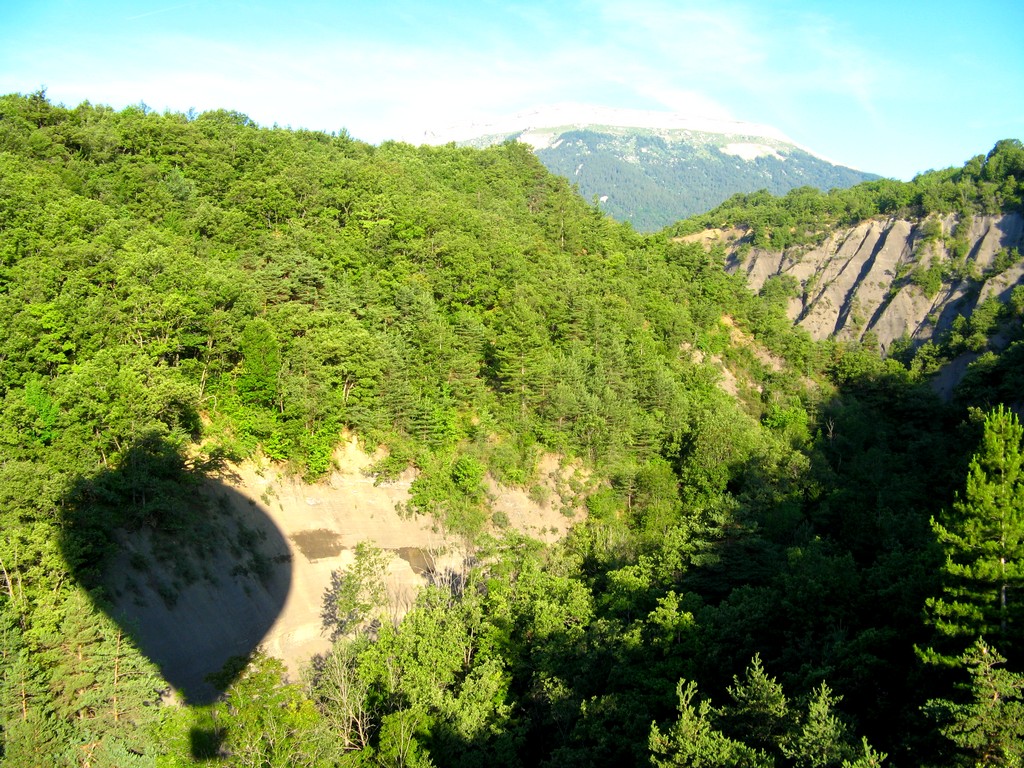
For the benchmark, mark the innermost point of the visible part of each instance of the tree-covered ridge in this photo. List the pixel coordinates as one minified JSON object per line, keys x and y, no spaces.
{"x":986,"y":184}
{"x":295,"y":283}
{"x":755,"y":566}
{"x":929,"y":270}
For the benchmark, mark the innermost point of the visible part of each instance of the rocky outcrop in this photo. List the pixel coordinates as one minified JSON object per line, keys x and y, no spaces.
{"x":871,"y":278}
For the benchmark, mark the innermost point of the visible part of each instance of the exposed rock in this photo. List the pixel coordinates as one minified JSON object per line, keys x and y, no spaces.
{"x":858,"y":281}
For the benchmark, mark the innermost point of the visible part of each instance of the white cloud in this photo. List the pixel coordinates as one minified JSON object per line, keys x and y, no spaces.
{"x":696,"y":41}
{"x":647,"y":56}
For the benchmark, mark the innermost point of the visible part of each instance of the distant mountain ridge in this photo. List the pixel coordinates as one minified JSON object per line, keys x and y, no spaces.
{"x":543,"y":119}
{"x":654,"y":168}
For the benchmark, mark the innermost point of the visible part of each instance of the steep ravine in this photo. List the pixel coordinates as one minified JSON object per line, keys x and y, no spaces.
{"x":858,"y":281}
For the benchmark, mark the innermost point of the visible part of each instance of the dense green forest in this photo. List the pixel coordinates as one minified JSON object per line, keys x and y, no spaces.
{"x":821,"y":569}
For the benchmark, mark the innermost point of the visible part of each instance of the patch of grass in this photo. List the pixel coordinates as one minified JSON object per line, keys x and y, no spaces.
{"x":540,"y":494}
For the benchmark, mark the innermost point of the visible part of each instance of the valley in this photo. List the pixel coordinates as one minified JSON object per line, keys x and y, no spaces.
{"x":320,"y":453}
{"x":306,"y":533}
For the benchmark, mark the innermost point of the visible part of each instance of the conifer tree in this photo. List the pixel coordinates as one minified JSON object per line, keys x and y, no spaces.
{"x":988,"y":728}
{"x":984,"y":542}
{"x":821,"y":740}
{"x":29,"y":734}
{"x":693,"y":740}
{"x":760,"y":712}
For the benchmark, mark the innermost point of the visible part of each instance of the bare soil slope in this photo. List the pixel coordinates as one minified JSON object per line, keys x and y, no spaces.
{"x":264,"y":584}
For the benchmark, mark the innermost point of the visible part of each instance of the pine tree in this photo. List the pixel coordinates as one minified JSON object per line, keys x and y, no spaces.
{"x":29,"y":734}
{"x":984,"y":542}
{"x":989,"y":727}
{"x":102,"y":687}
{"x":692,"y":740}
{"x":821,"y":739}
{"x":760,"y":713}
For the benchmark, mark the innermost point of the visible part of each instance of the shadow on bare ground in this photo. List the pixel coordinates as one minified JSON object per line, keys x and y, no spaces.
{"x":192,"y":570}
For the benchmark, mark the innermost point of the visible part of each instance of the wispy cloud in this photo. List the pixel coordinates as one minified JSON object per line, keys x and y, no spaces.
{"x":697,"y":41}
{"x":763,"y":53}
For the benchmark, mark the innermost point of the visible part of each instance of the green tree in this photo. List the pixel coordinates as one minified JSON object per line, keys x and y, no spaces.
{"x":983,"y":539}
{"x":821,"y":739}
{"x":30,"y":734}
{"x":694,"y":742}
{"x":358,"y":596}
{"x":261,"y":363}
{"x":759,"y":729}
{"x":342,"y":694}
{"x":401,"y":735}
{"x":987,"y":728}
{"x":264,"y":722}
{"x":760,"y":710}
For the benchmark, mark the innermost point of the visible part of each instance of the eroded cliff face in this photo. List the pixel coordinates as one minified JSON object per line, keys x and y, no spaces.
{"x":869,"y":279}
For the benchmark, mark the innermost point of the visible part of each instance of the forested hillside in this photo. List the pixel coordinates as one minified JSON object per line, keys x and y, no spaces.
{"x":790,"y":549}
{"x":929,"y":271}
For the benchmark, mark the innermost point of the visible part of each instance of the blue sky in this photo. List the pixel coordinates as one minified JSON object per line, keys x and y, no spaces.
{"x":890,"y":87}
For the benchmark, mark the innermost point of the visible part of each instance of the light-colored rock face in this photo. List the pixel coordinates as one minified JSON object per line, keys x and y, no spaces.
{"x":857,"y":281}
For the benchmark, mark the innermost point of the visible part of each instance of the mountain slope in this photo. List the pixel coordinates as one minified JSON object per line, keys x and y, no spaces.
{"x":886,"y":260}
{"x":652,"y":169}
{"x":873,"y":278}
{"x":180,"y":290}
{"x":653,"y":178}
